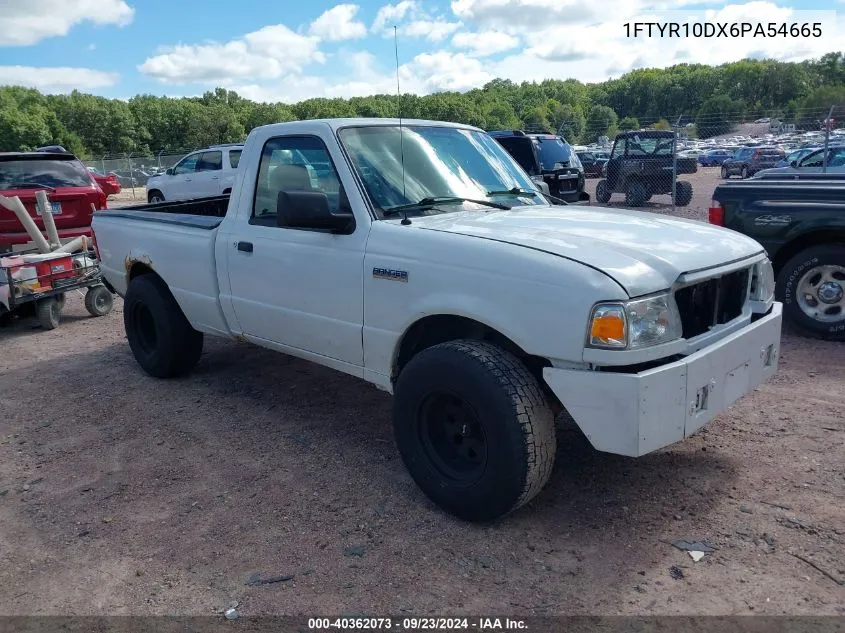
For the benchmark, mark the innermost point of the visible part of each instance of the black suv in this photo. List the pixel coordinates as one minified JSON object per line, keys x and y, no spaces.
{"x":547,"y":158}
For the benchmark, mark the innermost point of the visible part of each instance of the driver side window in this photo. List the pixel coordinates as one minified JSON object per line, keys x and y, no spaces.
{"x":619,"y":148}
{"x":812,"y":160}
{"x":294,"y":163}
{"x":187,"y":165}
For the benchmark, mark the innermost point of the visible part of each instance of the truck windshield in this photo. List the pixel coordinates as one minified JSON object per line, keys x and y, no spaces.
{"x":439,"y":162}
{"x":551,"y":152}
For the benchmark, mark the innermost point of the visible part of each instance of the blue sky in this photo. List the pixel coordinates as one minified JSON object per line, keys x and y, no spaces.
{"x":288,"y":50}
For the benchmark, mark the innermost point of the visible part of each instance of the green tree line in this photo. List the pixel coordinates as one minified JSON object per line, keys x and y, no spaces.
{"x":715,"y":98}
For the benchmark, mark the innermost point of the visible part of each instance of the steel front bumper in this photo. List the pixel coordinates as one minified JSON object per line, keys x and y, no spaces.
{"x":634,"y":414}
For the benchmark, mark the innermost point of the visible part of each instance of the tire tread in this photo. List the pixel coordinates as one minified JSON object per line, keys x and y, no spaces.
{"x":533,"y":410}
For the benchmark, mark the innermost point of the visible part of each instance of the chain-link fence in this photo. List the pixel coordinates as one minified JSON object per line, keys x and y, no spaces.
{"x":673,"y":161}
{"x":133,"y":170}
{"x":661,"y":163}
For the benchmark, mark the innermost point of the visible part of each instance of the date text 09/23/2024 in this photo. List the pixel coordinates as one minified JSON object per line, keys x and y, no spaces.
{"x":417,"y":624}
{"x":722,"y":29}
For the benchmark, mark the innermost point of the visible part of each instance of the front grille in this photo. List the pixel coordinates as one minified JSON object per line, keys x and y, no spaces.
{"x":712,"y":302}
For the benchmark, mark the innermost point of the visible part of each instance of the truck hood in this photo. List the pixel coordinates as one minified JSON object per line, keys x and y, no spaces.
{"x":643,"y":252}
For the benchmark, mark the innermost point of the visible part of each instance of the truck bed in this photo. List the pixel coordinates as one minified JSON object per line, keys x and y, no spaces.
{"x":211,"y":207}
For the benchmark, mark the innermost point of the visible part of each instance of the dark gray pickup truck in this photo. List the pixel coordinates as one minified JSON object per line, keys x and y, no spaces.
{"x":801,"y":224}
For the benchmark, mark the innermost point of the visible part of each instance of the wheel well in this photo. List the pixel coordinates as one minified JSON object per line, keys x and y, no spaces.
{"x":440,"y":328}
{"x":139,"y":268}
{"x":152,"y":191}
{"x":789,"y":250}
{"x":227,"y":190}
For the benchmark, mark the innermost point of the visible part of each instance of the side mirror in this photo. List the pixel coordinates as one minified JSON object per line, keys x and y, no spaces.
{"x":169,"y":171}
{"x":309,"y":210}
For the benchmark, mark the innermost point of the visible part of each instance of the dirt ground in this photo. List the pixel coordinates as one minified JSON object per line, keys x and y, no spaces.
{"x":122,"y":494}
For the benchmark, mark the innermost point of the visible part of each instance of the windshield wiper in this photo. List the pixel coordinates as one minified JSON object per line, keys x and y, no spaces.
{"x":515,"y":191}
{"x":428,"y":203}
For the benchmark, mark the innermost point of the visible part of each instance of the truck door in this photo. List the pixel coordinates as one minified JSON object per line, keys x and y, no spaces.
{"x":206,"y":179}
{"x":615,"y":162}
{"x":179,"y":185}
{"x":298,"y":288}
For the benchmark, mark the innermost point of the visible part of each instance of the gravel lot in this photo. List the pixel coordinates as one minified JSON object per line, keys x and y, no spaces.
{"x":121,"y":494}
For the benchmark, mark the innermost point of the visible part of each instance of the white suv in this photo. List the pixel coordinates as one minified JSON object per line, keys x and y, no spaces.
{"x":201,"y":174}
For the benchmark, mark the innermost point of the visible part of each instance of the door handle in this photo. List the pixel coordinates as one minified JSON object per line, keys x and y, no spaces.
{"x":245,"y":247}
{"x":215,"y":177}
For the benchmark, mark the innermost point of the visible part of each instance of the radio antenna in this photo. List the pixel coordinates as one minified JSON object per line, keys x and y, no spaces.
{"x":405,"y":220}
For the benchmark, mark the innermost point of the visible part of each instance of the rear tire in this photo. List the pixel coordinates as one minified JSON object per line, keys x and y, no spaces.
{"x":636,"y":193}
{"x":161,"y":338}
{"x":744,"y":173}
{"x":474,"y":429}
{"x":49,"y":312}
{"x":683,"y":193}
{"x":98,"y":301}
{"x":801,"y":298}
{"x":602,"y":191}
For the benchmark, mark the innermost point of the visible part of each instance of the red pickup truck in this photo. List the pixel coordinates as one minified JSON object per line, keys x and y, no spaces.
{"x":70,"y":187}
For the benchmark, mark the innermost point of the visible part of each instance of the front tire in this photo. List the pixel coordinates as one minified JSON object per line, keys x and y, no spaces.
{"x":161,"y":338}
{"x":155,"y":197}
{"x":602,"y":191}
{"x":636,"y":194}
{"x":744,"y":173}
{"x":811,"y":287}
{"x":683,"y":193}
{"x":474,"y":429}
{"x":725,"y":174}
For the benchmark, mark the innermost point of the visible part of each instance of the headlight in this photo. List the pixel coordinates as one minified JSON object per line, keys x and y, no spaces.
{"x":635,"y":324}
{"x":763,"y":282}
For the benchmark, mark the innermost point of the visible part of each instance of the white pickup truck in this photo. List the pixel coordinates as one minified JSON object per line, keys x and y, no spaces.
{"x":420,"y":257}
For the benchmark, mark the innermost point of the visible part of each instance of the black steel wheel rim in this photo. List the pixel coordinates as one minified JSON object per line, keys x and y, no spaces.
{"x":452,"y":437}
{"x":145,"y":328}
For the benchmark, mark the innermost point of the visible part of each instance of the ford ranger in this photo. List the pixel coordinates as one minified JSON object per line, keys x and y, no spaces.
{"x":420,"y":257}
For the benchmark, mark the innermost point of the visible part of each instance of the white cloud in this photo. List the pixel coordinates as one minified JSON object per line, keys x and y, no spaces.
{"x":273,"y":63}
{"x":448,"y":71}
{"x":424,"y":74}
{"x":417,"y":22}
{"x":338,"y":23}
{"x":53,"y":80}
{"x":569,"y":50}
{"x":486,"y":42}
{"x":513,"y":15}
{"x":390,"y":13}
{"x":267,"y":53}
{"x":432,"y":30}
{"x":26,"y":22}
